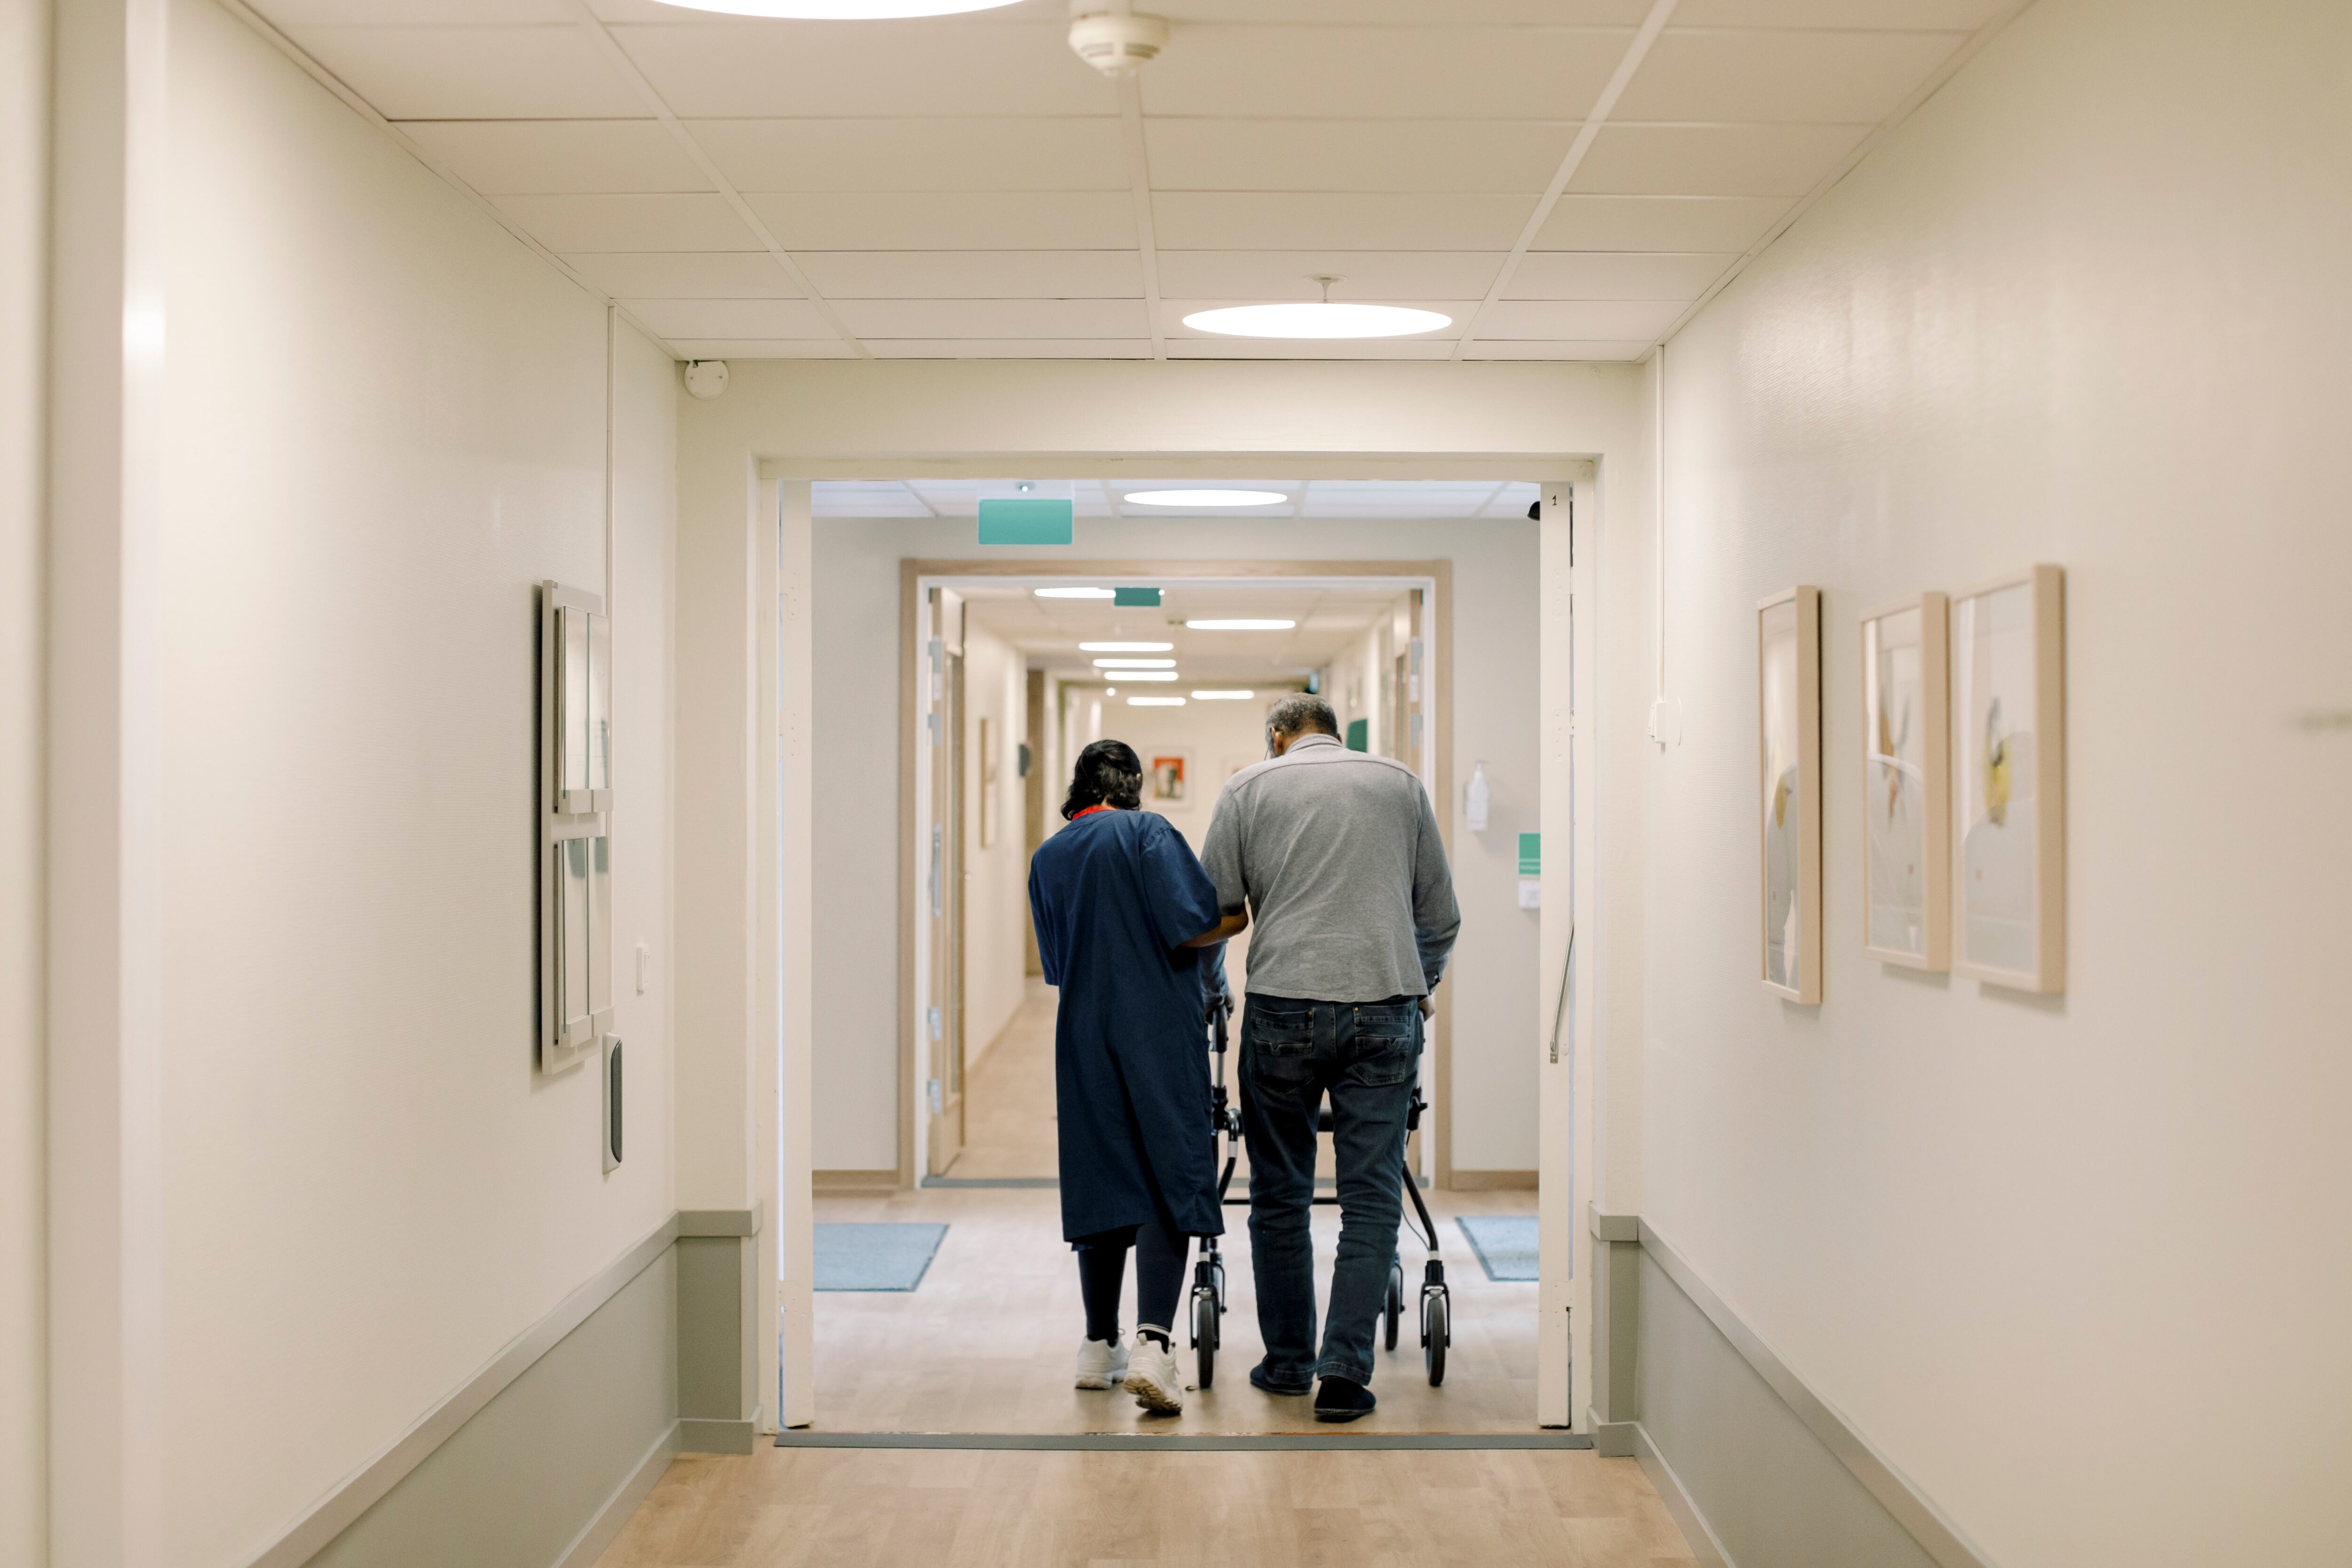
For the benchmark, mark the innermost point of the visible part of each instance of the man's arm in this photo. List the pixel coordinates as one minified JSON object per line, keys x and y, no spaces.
{"x":1436,"y":917}
{"x":1229,"y":927}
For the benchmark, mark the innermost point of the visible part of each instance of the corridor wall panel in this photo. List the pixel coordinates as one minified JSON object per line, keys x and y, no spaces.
{"x":2045,"y":1254}
{"x":24,"y":1278}
{"x":386,"y":420}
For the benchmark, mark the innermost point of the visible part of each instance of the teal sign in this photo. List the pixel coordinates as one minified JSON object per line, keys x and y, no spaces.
{"x":1530,"y":854}
{"x":1028,"y":520}
{"x":1136,"y":598}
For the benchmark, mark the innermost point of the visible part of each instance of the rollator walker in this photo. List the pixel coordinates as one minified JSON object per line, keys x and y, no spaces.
{"x":1209,"y":1273}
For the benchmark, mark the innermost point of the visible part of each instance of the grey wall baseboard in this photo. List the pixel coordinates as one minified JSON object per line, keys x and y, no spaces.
{"x":1759,"y":1470}
{"x":560,"y":1435}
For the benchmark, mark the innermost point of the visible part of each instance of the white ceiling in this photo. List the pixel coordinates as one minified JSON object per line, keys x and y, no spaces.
{"x":1048,"y":631}
{"x":1565,"y":178}
{"x":1407,"y":499}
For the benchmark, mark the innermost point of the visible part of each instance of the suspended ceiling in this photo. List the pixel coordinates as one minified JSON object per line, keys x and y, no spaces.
{"x":1048,"y":631}
{"x":1565,"y":178}
{"x":1350,"y":500}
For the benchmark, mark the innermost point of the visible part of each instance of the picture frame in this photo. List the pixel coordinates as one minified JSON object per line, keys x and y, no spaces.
{"x":2009,"y":770}
{"x":989,"y":775}
{"x":1906,"y":785}
{"x":1788,"y":767}
{"x":1170,"y":776}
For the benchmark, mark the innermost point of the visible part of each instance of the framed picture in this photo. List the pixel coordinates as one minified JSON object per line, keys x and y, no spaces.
{"x":988,"y":774}
{"x":1170,"y":776}
{"x":2009,"y":759}
{"x":1789,"y":722}
{"x":1906,"y":784}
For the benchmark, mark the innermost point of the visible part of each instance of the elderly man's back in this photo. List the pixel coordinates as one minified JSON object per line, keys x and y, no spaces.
{"x":1337,"y":858}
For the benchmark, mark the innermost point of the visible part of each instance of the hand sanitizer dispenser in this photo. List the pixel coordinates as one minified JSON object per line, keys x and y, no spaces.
{"x":1475,"y":797}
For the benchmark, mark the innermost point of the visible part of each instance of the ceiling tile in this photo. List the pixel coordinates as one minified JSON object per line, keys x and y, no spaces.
{"x":762,"y":348}
{"x":968,"y":154}
{"x":475,"y":73}
{"x":1961,"y":16}
{"x":1011,"y":348}
{"x":685,"y":275}
{"x":1203,"y":220}
{"x":868,"y":70}
{"x":1809,"y":77}
{"x":1251,"y":348}
{"x":1615,"y":275}
{"x":1387,"y":276}
{"x":950,"y":220}
{"x":1354,"y":154}
{"x":1361,"y":72}
{"x":1712,"y":160}
{"x":1482,"y":349}
{"x":1579,"y":319}
{"x":288,"y":14}
{"x":995,"y":317}
{"x":976,"y":274}
{"x":1409,"y":12}
{"x":684,"y":319}
{"x":631,"y":223}
{"x":517,"y":157}
{"x":1660,"y":223}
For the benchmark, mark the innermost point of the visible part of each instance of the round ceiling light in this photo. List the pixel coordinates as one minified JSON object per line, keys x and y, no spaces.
{"x":839,"y":10}
{"x":1317,"y":319}
{"x":1205,"y":497}
{"x":1240,"y":625}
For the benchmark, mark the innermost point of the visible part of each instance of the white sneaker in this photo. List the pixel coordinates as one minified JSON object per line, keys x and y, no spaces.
{"x":1102,"y":1364}
{"x":1152,"y":1376}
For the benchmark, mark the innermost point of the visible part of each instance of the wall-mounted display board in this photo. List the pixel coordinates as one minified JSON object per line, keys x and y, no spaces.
{"x":1788,"y":724}
{"x":1907,"y":790}
{"x":2008,"y":756}
{"x":575,"y":794}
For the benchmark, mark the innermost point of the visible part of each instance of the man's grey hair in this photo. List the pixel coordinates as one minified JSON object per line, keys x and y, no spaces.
{"x":1301,"y":711}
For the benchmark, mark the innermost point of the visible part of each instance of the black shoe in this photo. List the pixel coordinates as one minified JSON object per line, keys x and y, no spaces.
{"x":1258,"y":1380}
{"x":1339,"y":1400}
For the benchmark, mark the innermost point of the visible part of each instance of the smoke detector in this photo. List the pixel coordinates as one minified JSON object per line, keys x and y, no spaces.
{"x":706,"y":378}
{"x":1117,"y":43}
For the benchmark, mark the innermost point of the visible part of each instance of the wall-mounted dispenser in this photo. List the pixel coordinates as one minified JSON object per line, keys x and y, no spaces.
{"x":575,"y":845}
{"x":1477,"y":797}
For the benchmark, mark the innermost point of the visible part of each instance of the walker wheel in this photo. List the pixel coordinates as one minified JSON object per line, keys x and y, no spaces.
{"x":1393,"y":1312}
{"x":1204,"y":1333}
{"x":1436,"y":1332}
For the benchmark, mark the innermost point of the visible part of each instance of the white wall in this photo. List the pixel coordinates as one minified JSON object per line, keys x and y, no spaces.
{"x":386,"y":422}
{"x":24,"y":237}
{"x":997,"y":893}
{"x":857,"y":590}
{"x":1216,"y":736}
{"x":2076,"y":1265}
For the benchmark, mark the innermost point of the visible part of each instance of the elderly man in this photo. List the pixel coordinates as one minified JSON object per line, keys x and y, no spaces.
{"x":1335,"y":857}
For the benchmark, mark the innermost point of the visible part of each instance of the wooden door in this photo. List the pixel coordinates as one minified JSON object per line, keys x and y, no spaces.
{"x":944,"y":1087}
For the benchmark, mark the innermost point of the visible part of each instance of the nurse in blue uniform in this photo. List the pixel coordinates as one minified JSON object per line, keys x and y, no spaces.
{"x":1118,"y":896}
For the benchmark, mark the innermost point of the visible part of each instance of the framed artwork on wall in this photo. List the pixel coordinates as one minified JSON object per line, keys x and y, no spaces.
{"x":2009,"y":759}
{"x":1171,"y":776}
{"x":1788,"y":725}
{"x":988,"y":774}
{"x":1906,"y":789}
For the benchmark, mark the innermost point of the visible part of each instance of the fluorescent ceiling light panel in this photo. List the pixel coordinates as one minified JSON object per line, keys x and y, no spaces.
{"x":1317,"y":319}
{"x":1205,"y":497}
{"x":1155,"y":702}
{"x":1076,"y":592}
{"x":839,"y":10}
{"x":1126,"y":646}
{"x":1224,"y":695}
{"x":1140,"y":674}
{"x":1240,"y":625}
{"x":1134,"y":664}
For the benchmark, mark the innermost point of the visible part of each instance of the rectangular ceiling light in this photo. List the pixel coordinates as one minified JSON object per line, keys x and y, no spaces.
{"x":1125,"y":646}
{"x":1116,"y":675}
{"x":1025,"y":521}
{"x":1124,"y":663}
{"x":1223,"y":696}
{"x":1240,"y":625}
{"x":1155,"y":702}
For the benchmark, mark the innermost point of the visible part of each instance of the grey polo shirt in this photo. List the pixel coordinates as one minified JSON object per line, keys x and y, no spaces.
{"x":1336,"y":857}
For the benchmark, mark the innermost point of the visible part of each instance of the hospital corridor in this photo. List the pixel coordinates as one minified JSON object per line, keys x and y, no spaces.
{"x":1234,"y":783}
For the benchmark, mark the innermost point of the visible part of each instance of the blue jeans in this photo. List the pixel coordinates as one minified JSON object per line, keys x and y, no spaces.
{"x":1365,"y":1057}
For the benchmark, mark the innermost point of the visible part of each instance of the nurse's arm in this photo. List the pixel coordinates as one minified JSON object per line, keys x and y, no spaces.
{"x":1231,"y":926}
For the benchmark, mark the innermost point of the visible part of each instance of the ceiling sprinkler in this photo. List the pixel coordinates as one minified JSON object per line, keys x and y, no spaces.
{"x":1116,"y":42}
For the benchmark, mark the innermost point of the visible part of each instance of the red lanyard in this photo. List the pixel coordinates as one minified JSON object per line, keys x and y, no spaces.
{"x":1090,"y":811}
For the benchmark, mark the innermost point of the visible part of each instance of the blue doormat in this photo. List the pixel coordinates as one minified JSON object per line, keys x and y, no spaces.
{"x":1504,"y":1242}
{"x":875,"y":1257}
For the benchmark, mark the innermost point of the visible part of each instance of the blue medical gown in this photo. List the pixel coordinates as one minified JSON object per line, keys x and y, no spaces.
{"x":1115,"y":895}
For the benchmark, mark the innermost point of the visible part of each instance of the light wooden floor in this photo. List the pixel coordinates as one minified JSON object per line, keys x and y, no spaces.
{"x":1008,"y":1129}
{"x":832,"y":1509}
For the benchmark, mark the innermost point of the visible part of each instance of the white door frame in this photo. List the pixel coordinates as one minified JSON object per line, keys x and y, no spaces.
{"x":1567,"y":1108}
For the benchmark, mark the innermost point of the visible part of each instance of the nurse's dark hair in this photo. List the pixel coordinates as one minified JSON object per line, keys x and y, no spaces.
{"x":1108,"y":773}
